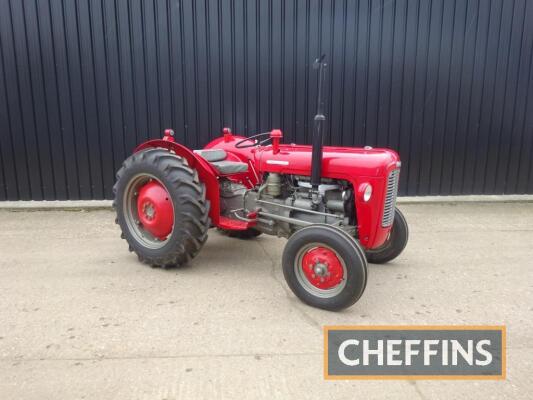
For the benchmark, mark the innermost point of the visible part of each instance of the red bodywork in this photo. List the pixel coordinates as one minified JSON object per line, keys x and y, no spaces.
{"x":155,"y":210}
{"x":359,"y":166}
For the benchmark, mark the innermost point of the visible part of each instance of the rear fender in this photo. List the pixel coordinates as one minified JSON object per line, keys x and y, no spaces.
{"x":205,"y":172}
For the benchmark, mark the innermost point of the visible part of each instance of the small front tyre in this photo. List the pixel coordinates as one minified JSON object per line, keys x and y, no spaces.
{"x":325,"y":267}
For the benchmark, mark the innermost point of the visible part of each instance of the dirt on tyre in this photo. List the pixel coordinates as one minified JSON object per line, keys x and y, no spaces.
{"x":395,"y":243}
{"x":325,"y":267}
{"x":161,"y":208}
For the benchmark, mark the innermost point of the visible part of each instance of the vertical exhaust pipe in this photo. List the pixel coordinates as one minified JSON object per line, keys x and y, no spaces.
{"x":318,"y":129}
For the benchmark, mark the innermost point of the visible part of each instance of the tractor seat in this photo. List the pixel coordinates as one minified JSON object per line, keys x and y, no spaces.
{"x":217,"y":158}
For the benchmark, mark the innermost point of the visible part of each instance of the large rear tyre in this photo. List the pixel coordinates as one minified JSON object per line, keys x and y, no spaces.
{"x":325,"y":267}
{"x":395,"y":243}
{"x":161,"y":208}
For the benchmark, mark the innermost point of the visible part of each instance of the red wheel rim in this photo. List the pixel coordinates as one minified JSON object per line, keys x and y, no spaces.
{"x":155,"y":211}
{"x":322,"y":268}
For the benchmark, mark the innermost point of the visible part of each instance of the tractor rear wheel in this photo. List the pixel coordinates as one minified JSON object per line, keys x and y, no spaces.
{"x":325,"y":267}
{"x":161,"y":208}
{"x":395,"y":243}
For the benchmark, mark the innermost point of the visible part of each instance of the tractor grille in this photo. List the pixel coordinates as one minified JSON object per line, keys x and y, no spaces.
{"x":390,"y":198}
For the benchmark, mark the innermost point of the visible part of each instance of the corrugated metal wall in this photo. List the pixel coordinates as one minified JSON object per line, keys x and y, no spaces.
{"x":446,"y":83}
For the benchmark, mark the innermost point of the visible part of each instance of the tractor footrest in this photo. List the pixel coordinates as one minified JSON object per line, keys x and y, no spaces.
{"x":234,"y":224}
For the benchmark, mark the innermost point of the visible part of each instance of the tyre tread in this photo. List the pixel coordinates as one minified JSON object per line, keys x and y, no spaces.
{"x":190,"y":199}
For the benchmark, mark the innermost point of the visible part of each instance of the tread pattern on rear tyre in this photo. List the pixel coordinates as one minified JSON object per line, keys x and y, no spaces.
{"x":191,"y":209}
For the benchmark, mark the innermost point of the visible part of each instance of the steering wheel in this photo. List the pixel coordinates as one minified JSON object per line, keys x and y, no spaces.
{"x":241,"y":144}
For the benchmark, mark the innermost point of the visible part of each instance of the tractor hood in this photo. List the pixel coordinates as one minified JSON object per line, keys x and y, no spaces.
{"x":337,"y":162}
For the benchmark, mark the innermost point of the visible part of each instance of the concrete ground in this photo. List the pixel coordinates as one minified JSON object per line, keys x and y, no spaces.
{"x":80,"y":318}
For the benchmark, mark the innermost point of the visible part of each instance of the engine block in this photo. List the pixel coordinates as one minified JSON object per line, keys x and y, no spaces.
{"x":284,"y":204}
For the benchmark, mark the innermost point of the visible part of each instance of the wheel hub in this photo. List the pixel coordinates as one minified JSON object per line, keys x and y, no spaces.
{"x":322,"y":268}
{"x":148,"y":210}
{"x":155,"y":211}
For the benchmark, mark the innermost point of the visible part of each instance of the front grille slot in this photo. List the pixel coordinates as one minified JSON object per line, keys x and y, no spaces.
{"x":390,"y":198}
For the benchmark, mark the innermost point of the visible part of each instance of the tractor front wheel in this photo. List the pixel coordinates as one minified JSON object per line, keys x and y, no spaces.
{"x":161,"y":208}
{"x":325,"y":267}
{"x":395,"y":243}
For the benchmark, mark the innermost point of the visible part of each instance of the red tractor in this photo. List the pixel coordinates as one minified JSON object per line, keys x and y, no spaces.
{"x":336,"y":205}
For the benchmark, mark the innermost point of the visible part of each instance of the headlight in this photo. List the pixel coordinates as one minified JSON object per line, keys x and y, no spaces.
{"x":365,"y":192}
{"x":368,"y":193}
